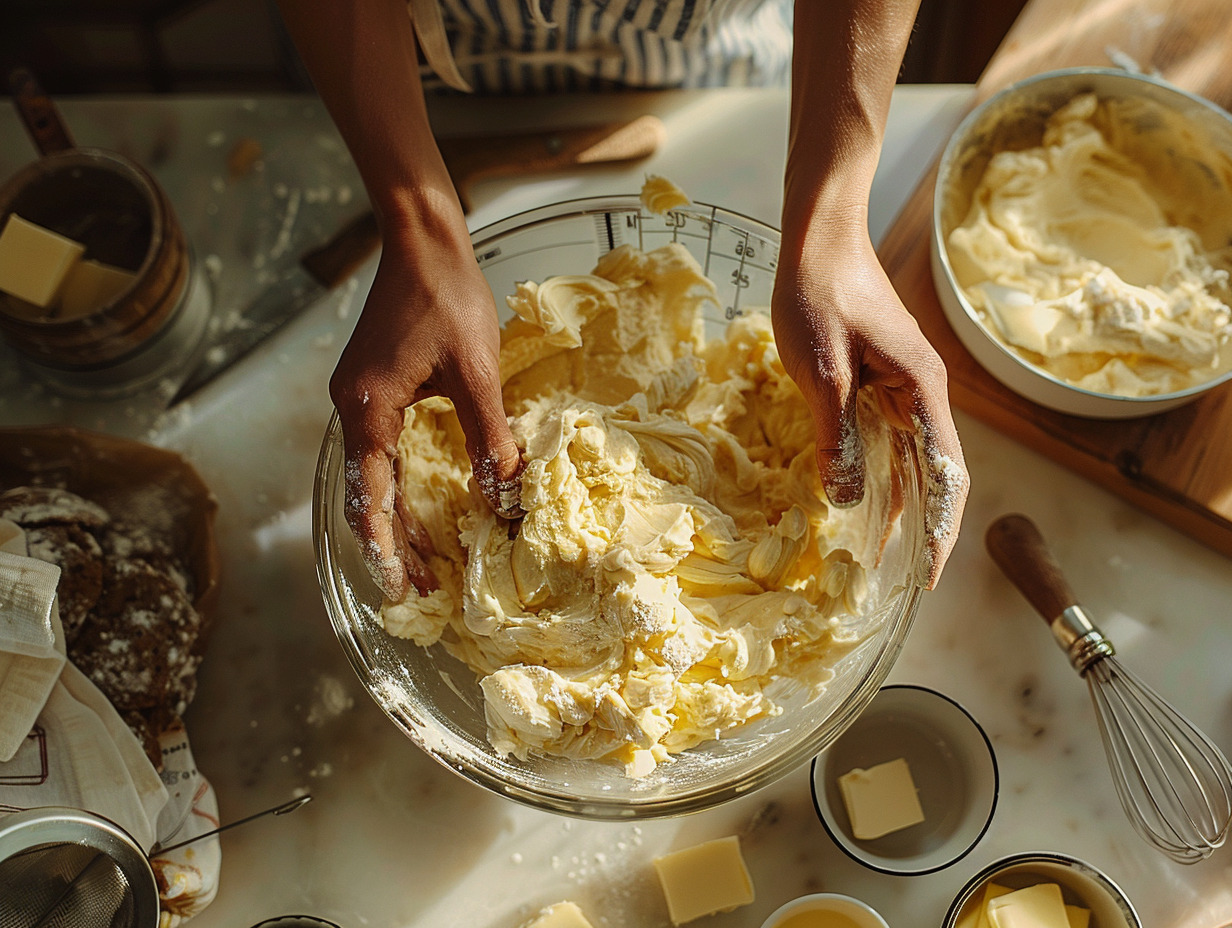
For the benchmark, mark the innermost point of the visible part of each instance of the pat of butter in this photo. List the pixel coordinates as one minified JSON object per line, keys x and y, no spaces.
{"x":34,"y":261}
{"x":704,"y":879}
{"x":1078,"y":916}
{"x":560,"y":915}
{"x":88,"y":286}
{"x":881,"y":799}
{"x":1038,"y":906}
{"x":977,"y":916}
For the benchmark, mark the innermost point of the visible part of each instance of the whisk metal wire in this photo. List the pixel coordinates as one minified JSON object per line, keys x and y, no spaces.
{"x":1173,"y":782}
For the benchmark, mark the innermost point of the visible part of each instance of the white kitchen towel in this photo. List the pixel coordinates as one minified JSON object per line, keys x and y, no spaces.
{"x":92,"y":761}
{"x":63,"y":742}
{"x":31,"y":639}
{"x":71,"y":748}
{"x":187,"y":876}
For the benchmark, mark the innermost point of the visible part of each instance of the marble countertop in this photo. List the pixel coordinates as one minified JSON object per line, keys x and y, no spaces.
{"x":392,"y":839}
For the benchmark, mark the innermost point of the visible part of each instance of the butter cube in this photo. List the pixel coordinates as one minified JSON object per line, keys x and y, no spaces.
{"x":991,"y":891}
{"x":977,"y":915}
{"x":880,"y":800}
{"x":560,"y":915}
{"x":1038,"y":906}
{"x":704,"y":879}
{"x":34,"y":261}
{"x":1078,"y":916}
{"x":88,"y":286}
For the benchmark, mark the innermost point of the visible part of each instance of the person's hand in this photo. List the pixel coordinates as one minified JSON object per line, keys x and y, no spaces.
{"x":840,"y":326}
{"x":428,"y":328}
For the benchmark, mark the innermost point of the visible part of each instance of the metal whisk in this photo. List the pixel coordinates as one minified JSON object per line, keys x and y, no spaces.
{"x":1173,"y":782}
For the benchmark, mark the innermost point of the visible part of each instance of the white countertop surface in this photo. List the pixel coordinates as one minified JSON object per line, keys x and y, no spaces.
{"x":392,"y":839}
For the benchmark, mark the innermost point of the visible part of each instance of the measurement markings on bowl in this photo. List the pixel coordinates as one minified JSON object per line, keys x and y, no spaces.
{"x":729,"y":255}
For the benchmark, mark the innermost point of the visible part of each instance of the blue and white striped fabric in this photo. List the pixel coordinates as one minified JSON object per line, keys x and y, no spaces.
{"x":543,"y":46}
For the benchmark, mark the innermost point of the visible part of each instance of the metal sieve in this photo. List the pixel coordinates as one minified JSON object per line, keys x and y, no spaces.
{"x":68,"y":868}
{"x":65,"y":868}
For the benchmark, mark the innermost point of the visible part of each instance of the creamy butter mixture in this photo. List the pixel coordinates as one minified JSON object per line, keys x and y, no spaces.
{"x":676,"y":557}
{"x":1096,"y":264}
{"x":660,"y":195}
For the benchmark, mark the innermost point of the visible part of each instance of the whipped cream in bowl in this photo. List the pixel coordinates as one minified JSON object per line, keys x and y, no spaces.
{"x":1081,"y":241}
{"x":680,"y":616}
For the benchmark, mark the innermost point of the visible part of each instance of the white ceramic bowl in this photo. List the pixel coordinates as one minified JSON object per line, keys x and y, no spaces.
{"x":437,"y":701}
{"x":1080,"y":882}
{"x":856,"y":913}
{"x":952,"y":764}
{"x":1013,"y":119}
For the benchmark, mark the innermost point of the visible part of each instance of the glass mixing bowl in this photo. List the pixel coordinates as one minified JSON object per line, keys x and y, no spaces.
{"x":436,"y":700}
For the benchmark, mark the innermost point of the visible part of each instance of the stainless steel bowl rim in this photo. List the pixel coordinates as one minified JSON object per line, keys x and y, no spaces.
{"x":30,"y":828}
{"x":1155,"y":402}
{"x":1049,"y":857}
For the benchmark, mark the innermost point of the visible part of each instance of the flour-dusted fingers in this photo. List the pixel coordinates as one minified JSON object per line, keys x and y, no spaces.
{"x":413,"y":547}
{"x":840,"y":451}
{"x":368,"y":504}
{"x":412,"y":528}
{"x":496,"y":460}
{"x":946,"y":483}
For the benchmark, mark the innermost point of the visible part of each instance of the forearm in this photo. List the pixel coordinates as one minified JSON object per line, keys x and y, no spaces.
{"x":846,"y":58}
{"x":362,"y":59}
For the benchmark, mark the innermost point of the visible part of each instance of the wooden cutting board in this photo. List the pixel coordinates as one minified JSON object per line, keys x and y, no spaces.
{"x":1176,"y":465}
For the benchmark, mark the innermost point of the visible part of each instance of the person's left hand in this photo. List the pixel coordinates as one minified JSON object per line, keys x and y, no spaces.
{"x":840,"y":326}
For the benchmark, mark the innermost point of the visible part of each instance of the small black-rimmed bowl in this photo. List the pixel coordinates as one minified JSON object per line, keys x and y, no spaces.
{"x":1081,"y":884}
{"x":952,"y":763}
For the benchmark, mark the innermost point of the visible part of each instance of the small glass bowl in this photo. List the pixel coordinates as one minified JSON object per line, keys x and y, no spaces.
{"x":953,"y":766}
{"x":1081,"y":884}
{"x":436,"y":700}
{"x":858,"y":914}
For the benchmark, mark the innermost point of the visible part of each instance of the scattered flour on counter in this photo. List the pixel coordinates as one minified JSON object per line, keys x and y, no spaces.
{"x":332,"y":699}
{"x":283,"y":240}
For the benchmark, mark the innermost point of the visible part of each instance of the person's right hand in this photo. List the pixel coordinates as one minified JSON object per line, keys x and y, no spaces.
{"x":428,"y":328}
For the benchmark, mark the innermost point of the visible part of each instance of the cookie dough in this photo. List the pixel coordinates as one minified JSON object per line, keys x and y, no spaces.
{"x":1106,"y":269}
{"x":677,"y":558}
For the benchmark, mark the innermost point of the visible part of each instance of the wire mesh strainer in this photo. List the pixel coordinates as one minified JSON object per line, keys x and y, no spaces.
{"x":66,"y":868}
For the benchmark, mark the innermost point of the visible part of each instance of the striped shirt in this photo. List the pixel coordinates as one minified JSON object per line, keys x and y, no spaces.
{"x":545,"y":46}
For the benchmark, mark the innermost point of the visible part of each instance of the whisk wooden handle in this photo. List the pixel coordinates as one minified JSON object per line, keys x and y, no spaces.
{"x":1018,"y":548}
